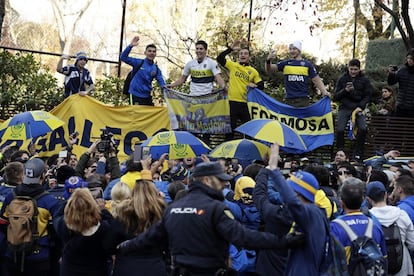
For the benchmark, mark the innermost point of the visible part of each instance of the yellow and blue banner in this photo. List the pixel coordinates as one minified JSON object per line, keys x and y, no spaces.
{"x":129,"y":125}
{"x":199,"y":114}
{"x":314,"y":123}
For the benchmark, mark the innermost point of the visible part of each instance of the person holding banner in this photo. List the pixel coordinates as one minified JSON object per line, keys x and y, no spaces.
{"x":144,"y":71}
{"x":203,"y":70}
{"x":241,"y":76}
{"x":76,"y":75}
{"x":297,"y":72}
{"x":353,"y":92}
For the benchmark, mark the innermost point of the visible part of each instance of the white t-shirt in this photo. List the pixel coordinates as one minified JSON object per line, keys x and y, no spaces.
{"x":202,"y":75}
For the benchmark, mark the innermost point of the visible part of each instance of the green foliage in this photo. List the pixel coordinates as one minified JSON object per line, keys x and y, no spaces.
{"x":109,"y":90}
{"x":382,"y":53}
{"x":25,"y":85}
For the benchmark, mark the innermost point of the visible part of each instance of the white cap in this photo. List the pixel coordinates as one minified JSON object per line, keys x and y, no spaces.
{"x":297,"y":44}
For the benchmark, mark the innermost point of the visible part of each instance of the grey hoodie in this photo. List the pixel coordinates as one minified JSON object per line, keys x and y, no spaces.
{"x":387,"y":215}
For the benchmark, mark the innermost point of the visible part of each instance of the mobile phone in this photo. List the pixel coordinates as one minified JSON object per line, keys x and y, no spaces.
{"x":75,"y":134}
{"x":137,"y":153}
{"x":63,"y":154}
{"x":145,"y":152}
{"x":287,"y":165}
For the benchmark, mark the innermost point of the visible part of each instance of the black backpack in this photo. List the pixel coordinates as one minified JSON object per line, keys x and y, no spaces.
{"x":366,"y":257}
{"x":394,"y":247}
{"x":129,"y":78}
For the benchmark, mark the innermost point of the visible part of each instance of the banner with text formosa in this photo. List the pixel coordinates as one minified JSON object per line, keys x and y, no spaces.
{"x":128,"y":124}
{"x":314,"y":123}
{"x":199,"y":114}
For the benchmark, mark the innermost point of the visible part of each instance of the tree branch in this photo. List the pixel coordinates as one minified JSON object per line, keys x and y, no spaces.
{"x":407,"y":21}
{"x":397,"y":23}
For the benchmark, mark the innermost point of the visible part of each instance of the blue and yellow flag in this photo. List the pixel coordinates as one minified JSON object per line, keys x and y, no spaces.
{"x":313,"y":123}
{"x":129,"y":125}
{"x":199,"y":114}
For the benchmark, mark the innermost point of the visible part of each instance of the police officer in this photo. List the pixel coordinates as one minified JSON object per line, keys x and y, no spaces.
{"x":198,"y":228}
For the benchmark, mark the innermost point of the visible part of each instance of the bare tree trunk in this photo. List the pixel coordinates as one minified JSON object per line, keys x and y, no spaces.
{"x":66,"y":30}
{"x":2,"y":14}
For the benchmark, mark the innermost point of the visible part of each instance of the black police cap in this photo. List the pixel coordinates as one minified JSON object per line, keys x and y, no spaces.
{"x":211,"y":168}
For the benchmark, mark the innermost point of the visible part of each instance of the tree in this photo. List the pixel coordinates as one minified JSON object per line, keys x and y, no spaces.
{"x":402,"y":19}
{"x":25,"y":84}
{"x":2,"y":14}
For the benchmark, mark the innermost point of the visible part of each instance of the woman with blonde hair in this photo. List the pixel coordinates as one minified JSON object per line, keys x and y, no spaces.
{"x":119,"y":193}
{"x":88,"y":232}
{"x":145,"y":208}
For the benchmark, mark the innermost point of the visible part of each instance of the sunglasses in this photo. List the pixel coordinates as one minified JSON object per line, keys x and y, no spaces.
{"x":85,"y":59}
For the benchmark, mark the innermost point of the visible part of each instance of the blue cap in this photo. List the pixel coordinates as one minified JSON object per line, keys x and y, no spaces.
{"x":374,"y":189}
{"x":73,"y":183}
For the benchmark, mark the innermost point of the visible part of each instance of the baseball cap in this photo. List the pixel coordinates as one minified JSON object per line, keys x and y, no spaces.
{"x":33,"y":170}
{"x":305,"y":184}
{"x":211,"y":168}
{"x":73,"y":183}
{"x":374,"y":188}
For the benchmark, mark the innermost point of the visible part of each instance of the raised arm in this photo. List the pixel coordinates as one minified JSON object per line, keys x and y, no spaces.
{"x":59,"y":67}
{"x":270,"y":68}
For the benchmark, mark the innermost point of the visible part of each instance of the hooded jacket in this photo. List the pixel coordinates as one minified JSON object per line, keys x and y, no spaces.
{"x":388,"y":215}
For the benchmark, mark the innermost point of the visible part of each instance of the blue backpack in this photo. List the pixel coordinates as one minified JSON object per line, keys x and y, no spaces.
{"x":366,"y":257}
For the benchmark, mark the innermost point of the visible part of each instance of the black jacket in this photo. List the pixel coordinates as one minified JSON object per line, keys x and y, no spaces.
{"x":278,"y":221}
{"x":198,"y":229}
{"x":405,"y":79}
{"x":87,"y":255}
{"x":359,"y":97}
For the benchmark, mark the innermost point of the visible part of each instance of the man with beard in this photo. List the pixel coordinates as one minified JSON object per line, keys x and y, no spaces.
{"x":199,"y":227}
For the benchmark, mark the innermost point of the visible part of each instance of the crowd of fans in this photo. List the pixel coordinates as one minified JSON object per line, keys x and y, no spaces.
{"x":94,"y":203}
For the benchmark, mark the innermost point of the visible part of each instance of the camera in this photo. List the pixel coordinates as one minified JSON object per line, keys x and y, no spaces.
{"x":235,"y":164}
{"x":104,"y":145}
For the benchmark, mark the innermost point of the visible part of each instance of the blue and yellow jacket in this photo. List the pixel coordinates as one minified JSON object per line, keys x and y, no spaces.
{"x":47,"y":206}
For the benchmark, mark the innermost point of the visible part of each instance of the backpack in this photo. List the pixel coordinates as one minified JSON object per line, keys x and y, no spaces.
{"x":394,"y":247}
{"x":22,"y":233}
{"x":334,"y":260}
{"x":366,"y":257}
{"x":129,"y":78}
